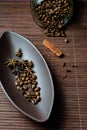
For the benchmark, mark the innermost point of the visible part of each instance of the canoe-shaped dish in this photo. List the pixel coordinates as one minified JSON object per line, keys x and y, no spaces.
{"x":10,"y":42}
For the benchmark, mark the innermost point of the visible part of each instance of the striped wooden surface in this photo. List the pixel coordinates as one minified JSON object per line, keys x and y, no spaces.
{"x":70,"y":104}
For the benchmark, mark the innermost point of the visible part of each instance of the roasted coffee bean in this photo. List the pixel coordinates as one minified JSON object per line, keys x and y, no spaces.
{"x":17,"y":83}
{"x":37,"y":89}
{"x":66,"y":40}
{"x":25,"y":87}
{"x":22,"y":78}
{"x":38,"y":93}
{"x":33,"y":86}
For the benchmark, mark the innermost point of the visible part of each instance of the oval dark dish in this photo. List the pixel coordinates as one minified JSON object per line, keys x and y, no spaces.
{"x":9,"y":44}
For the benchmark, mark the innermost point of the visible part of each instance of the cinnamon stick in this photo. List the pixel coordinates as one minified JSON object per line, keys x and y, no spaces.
{"x":52,"y":47}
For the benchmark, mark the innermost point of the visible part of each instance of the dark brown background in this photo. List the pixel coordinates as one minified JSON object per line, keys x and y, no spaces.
{"x":70,"y":104}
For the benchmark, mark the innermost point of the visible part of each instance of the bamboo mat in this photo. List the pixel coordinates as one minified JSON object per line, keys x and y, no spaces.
{"x":70,"y":104}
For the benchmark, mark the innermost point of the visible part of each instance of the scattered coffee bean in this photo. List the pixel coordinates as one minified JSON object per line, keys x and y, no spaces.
{"x":66,"y":40}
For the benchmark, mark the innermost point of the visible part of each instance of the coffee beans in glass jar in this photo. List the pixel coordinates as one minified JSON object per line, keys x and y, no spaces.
{"x":52,"y":15}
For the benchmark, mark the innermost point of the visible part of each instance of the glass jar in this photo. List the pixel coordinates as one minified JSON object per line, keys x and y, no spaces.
{"x":64,"y":20}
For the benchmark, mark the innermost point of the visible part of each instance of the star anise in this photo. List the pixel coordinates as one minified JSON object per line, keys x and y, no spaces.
{"x":11,"y":63}
{"x":16,"y":71}
{"x":19,"y":52}
{"x":21,"y":65}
